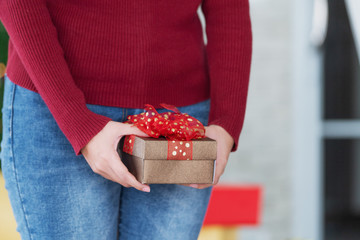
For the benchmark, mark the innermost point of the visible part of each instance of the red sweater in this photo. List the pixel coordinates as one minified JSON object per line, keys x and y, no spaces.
{"x":128,"y":53}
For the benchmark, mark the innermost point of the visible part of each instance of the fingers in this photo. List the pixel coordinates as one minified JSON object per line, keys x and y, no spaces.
{"x":136,"y":184}
{"x":100,"y":172}
{"x":105,"y":161}
{"x":121,"y":129}
{"x":202,"y":186}
{"x":124,"y":177}
{"x":198,"y":186}
{"x":111,"y":168}
{"x":206,"y":131}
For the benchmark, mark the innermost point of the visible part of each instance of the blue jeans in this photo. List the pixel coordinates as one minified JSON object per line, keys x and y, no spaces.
{"x":55,"y":195}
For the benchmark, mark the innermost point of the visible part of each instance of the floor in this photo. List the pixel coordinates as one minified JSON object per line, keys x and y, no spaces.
{"x":7,"y":221}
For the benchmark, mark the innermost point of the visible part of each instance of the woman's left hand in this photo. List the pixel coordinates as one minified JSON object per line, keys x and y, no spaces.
{"x":224,"y":145}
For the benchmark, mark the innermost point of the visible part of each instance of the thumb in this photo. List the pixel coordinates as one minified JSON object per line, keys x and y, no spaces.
{"x":133,"y":130}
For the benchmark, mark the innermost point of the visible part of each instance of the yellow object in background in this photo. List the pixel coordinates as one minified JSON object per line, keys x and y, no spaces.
{"x":218,"y":233}
{"x":2,"y":70}
{"x":7,"y":220}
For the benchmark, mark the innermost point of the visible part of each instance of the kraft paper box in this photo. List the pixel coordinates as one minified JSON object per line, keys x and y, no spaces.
{"x":157,"y":160}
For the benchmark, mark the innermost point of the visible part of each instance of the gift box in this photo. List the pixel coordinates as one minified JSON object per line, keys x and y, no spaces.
{"x":162,"y":161}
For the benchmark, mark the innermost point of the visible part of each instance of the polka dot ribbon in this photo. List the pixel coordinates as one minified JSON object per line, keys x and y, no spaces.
{"x":172,"y":125}
{"x":178,"y":128}
{"x":180,"y":150}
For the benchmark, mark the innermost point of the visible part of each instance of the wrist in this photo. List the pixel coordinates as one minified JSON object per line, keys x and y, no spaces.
{"x":221,"y":131}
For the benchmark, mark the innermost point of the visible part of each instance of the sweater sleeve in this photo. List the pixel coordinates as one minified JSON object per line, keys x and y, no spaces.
{"x":34,"y":36}
{"x":229,"y":49}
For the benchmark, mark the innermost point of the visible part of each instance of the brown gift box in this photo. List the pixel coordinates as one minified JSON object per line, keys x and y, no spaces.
{"x":157,"y":160}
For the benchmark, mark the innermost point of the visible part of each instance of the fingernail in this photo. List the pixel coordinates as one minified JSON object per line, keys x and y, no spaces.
{"x":194,"y":185}
{"x":146,"y":189}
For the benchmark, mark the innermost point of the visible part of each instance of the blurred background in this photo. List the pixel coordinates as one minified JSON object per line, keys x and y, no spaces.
{"x":301,"y":138}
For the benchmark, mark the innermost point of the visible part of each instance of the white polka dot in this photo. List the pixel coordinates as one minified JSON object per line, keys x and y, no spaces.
{"x":174,"y":153}
{"x":180,"y":150}
{"x":153,"y":113}
{"x":147,"y":114}
{"x":173,"y":141}
{"x":181,"y":143}
{"x":176,"y":147}
{"x":149,"y":120}
{"x":189,"y":119}
{"x":130,"y":141}
{"x":187,"y":145}
{"x":184,"y":153}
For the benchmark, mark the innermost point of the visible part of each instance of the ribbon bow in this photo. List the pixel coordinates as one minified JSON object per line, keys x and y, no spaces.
{"x":172,"y":125}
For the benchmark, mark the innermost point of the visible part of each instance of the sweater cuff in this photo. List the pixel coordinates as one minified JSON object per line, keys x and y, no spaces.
{"x":234,"y":131}
{"x":80,"y":125}
{"x":86,"y":129}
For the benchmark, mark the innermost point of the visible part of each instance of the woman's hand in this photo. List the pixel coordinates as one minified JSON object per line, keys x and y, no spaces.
{"x":224,"y":145}
{"x":101,"y":154}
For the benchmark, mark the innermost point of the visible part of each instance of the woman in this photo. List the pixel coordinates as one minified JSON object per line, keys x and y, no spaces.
{"x":76,"y":70}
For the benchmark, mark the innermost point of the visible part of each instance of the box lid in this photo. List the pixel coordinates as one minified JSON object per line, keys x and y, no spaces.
{"x":160,"y":148}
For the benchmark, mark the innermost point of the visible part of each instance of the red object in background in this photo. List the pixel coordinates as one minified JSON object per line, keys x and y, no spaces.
{"x":234,"y":205}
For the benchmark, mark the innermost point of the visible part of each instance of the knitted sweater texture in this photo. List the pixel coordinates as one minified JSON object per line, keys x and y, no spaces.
{"x":128,"y":53}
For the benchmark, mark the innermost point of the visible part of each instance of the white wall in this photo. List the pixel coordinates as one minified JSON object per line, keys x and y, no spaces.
{"x":264,"y":155}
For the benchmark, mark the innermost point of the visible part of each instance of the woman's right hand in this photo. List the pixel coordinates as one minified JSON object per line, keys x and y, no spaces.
{"x":101,"y":154}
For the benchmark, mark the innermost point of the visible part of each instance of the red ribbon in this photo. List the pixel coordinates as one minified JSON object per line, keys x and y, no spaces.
{"x":129,"y":144}
{"x":180,"y":150}
{"x":172,"y":125}
{"x":177,"y":150}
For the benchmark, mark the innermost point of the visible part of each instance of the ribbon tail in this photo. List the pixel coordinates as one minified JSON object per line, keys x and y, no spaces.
{"x":170,"y":107}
